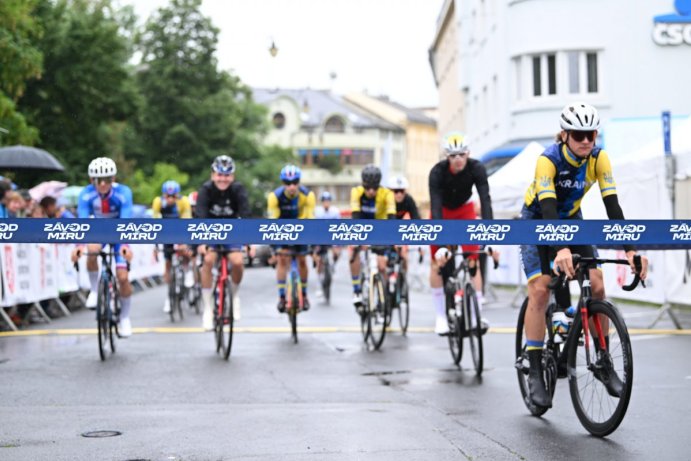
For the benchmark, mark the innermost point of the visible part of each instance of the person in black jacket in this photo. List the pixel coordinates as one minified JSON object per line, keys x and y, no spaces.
{"x":221,"y":198}
{"x":406,"y":208}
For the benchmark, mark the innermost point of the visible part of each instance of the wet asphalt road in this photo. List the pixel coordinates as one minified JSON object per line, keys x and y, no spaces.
{"x":328,"y":397}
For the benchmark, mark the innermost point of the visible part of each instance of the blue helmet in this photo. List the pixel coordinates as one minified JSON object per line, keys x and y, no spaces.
{"x":170,"y":188}
{"x":326,"y":195}
{"x":290,"y":173}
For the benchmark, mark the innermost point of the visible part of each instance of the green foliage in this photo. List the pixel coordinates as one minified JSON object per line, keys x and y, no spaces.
{"x":262,"y":175}
{"x":146,"y":187}
{"x":20,"y":61}
{"x":86,"y":82}
{"x":332,"y":163}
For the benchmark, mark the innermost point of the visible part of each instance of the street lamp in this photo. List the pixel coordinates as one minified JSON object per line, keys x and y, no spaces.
{"x":273,"y":50}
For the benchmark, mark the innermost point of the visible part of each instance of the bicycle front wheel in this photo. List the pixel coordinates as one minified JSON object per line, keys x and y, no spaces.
{"x":473,"y":327}
{"x":225,"y":321}
{"x":455,"y":335}
{"x":403,"y":306}
{"x":326,"y":280}
{"x":295,"y":297}
{"x":364,"y":311}
{"x":172,"y":296}
{"x":600,"y":380}
{"x":378,"y":315}
{"x":103,"y":318}
{"x":523,"y":364}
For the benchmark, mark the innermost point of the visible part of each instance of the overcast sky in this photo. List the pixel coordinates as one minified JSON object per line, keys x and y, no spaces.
{"x":380,"y":46}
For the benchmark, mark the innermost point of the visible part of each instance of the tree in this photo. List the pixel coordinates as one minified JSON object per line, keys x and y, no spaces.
{"x":86,"y":84}
{"x":146,"y":187}
{"x":20,"y":61}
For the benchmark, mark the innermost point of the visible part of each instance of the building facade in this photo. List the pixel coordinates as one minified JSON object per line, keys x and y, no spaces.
{"x":421,"y":138}
{"x":332,"y":139}
{"x":520,"y":61}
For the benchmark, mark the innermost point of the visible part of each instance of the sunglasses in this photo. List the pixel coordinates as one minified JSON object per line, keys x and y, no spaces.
{"x":579,"y":136}
{"x":398,"y":191}
{"x":291,"y":183}
{"x":102,"y":180}
{"x":460,"y":155}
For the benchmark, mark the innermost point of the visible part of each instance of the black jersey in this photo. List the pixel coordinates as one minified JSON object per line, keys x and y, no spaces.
{"x":407,"y":206}
{"x":230,"y":203}
{"x":448,"y":190}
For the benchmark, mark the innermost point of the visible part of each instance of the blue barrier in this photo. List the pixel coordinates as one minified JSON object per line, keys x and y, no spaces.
{"x":642,"y":233}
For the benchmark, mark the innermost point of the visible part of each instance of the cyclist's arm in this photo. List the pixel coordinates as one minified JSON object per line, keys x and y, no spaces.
{"x":310,"y":204}
{"x":184,"y":208}
{"x":390,"y":203}
{"x":482,"y":186}
{"x":608,"y":189}
{"x":436,"y":195}
{"x":545,"y":171}
{"x":356,"y":212}
{"x":203,"y":203}
{"x":126,"y":206}
{"x":243,"y":202}
{"x":84,"y":206}
{"x":272,"y":209}
{"x":156,"y":208}
{"x":412,"y":207}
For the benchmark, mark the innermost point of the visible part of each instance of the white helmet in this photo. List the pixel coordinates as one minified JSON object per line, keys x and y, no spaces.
{"x":398,"y":182}
{"x":579,"y":116}
{"x":102,"y":167}
{"x":455,"y":143}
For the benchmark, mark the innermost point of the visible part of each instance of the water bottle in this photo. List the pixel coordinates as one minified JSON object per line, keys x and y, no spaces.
{"x":571,"y":312}
{"x":560,"y":324}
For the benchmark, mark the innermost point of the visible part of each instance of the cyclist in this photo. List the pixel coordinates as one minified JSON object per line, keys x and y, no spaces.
{"x":369,"y":201}
{"x":192,"y":198}
{"x":105,"y":198}
{"x":291,"y":201}
{"x":221,"y":197}
{"x":170,"y":204}
{"x":406,"y":208}
{"x":564,"y":173}
{"x":326,"y":211}
{"x":451,"y":183}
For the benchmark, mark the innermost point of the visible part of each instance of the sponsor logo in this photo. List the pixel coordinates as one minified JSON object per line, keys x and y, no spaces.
{"x":674,"y":29}
{"x":350,"y":232}
{"x":209,"y":231}
{"x":571,"y":184}
{"x":623,"y":232}
{"x":680,"y":232}
{"x":66,"y":230}
{"x":488,"y":232}
{"x":7,"y":231}
{"x":556,"y":233}
{"x":138,"y":231}
{"x":419,"y":232}
{"x":281,"y":232}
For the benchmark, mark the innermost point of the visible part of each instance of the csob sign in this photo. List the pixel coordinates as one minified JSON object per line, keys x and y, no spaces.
{"x":674,"y":29}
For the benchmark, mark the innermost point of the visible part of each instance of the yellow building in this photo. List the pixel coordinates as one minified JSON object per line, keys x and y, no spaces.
{"x":422,"y":141}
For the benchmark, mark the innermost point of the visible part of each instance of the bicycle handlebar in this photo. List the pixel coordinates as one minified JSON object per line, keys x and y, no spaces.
{"x":582,"y":263}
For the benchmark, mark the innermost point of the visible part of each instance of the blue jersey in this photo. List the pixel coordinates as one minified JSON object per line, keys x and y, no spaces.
{"x":116,"y":204}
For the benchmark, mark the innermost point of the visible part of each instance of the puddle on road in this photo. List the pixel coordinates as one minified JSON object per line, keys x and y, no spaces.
{"x":426,"y":377}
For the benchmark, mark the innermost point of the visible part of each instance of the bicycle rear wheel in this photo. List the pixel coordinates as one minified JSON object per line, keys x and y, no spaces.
{"x":295,"y":296}
{"x":326,"y":279}
{"x":523,"y":364}
{"x":114,"y":316}
{"x":473,"y":327}
{"x":378,"y":312}
{"x":365,"y":327}
{"x":454,"y":336}
{"x":403,"y":306}
{"x":179,"y":290}
{"x":172,"y":296}
{"x":600,"y":410}
{"x":103,"y":317}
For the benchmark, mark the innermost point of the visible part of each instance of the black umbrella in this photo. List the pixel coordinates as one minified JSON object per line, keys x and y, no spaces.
{"x":27,"y":158}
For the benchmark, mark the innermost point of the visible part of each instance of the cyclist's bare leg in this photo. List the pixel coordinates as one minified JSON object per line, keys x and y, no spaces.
{"x":166,"y":272}
{"x":538,"y":297}
{"x":282,"y":263}
{"x":92,"y":257}
{"x":237,"y":268}
{"x":207,"y":266}
{"x":404,"y":256}
{"x":302,"y":268}
{"x":354,"y":264}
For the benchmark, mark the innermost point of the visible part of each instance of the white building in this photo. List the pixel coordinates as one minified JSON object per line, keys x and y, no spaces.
{"x":520,"y":61}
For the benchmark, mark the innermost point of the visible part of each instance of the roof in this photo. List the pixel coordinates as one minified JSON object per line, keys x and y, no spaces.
{"x":413,"y":115}
{"x":321,"y":104}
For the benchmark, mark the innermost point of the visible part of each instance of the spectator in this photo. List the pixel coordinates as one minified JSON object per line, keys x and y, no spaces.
{"x":15,"y":204}
{"x":53,"y":210}
{"x":5,"y":186}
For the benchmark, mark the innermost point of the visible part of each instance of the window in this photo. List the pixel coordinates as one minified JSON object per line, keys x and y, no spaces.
{"x":558,"y":73}
{"x":279,"y":120}
{"x":551,"y":74}
{"x":334,"y":125}
{"x":583,"y":72}
{"x":537,"y":77}
{"x":592,"y":72}
{"x":574,"y":76}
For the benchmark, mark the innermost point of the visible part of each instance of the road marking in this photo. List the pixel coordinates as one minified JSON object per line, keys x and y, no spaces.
{"x":305,"y":329}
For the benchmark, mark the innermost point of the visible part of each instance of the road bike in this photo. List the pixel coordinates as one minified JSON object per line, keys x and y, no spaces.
{"x":374,"y":313}
{"x":223,"y":303}
{"x":177,"y":292}
{"x":463,"y":309}
{"x":593,"y":352}
{"x":294,"y":296}
{"x":108,"y":304}
{"x":397,"y":289}
{"x":326,"y":273}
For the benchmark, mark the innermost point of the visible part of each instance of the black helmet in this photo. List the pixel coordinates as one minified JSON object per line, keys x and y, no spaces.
{"x":371,"y":176}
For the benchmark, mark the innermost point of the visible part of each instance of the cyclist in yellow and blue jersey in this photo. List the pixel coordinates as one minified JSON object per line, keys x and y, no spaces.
{"x":564,"y":173}
{"x":291,"y":201}
{"x":369,"y":201}
{"x":170,"y":204}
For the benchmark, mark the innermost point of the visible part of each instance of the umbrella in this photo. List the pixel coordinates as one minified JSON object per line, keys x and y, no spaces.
{"x":70,"y":195}
{"x":27,"y":158}
{"x":47,"y":188}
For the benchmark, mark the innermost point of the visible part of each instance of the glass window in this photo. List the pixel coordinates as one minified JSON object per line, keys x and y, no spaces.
{"x":537,"y":77}
{"x":519,"y":78}
{"x":574,"y":76}
{"x":592,"y":72}
{"x":334,"y":125}
{"x":279,"y":120}
{"x":551,"y":74}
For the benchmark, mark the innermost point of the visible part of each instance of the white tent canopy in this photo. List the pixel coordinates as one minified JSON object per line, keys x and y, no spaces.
{"x":508,"y":185}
